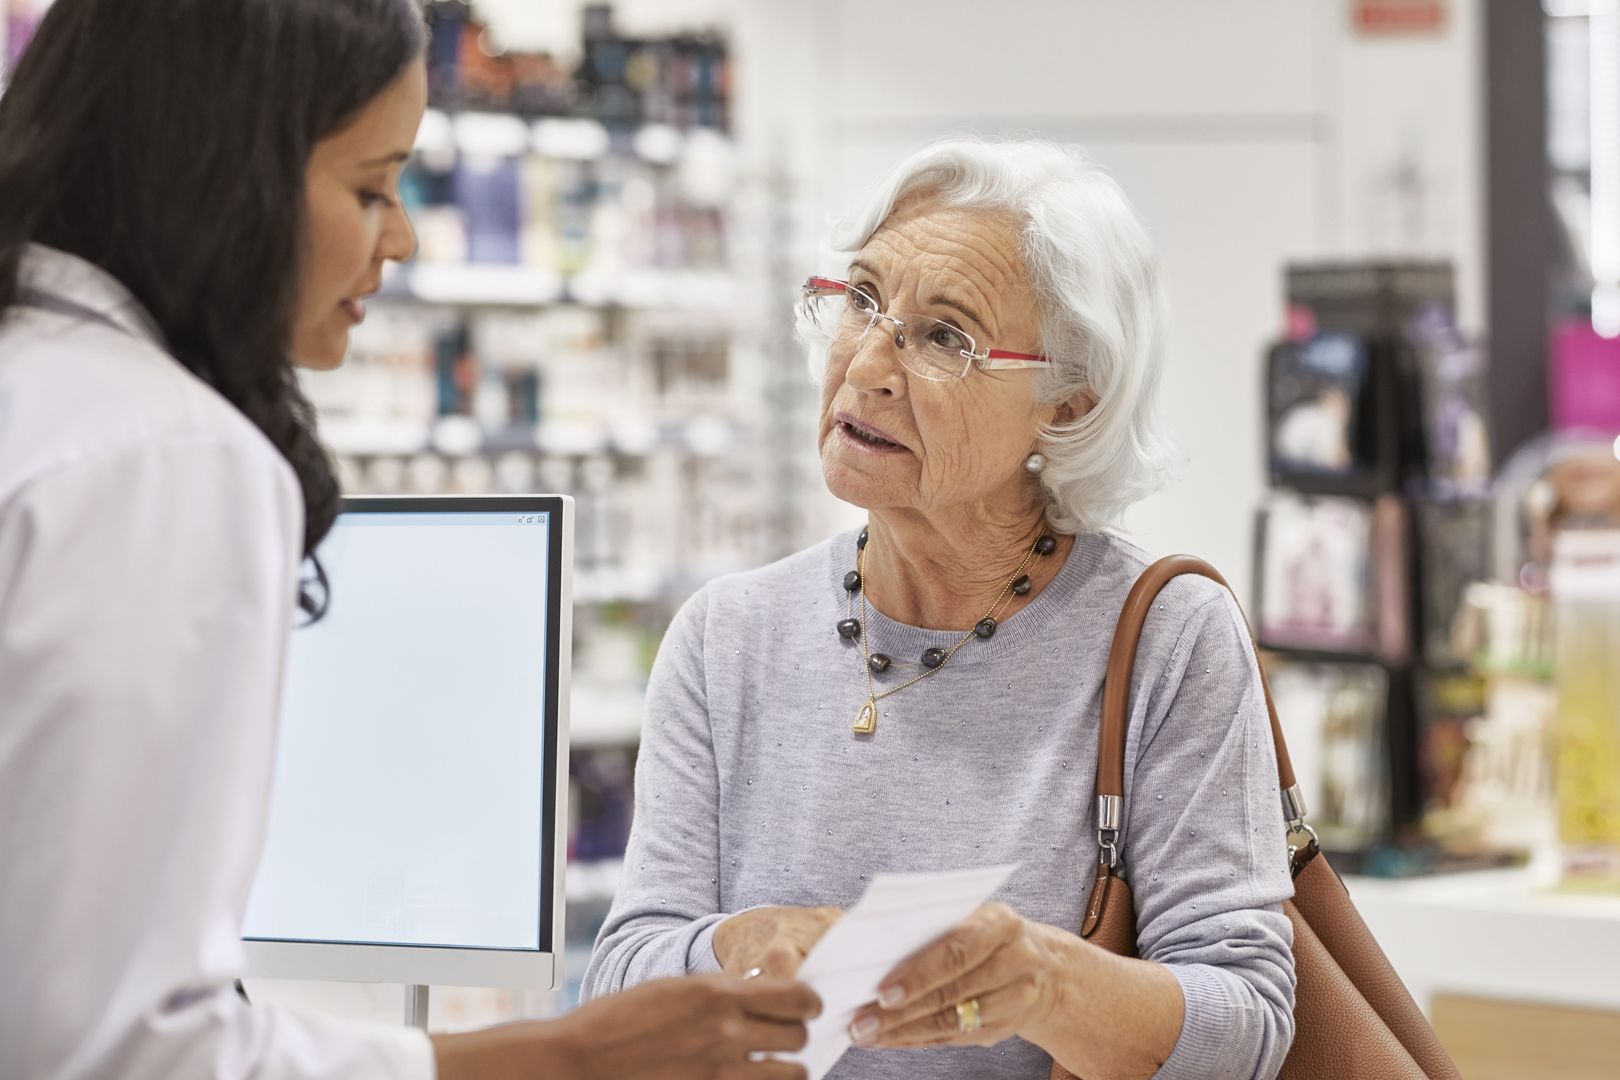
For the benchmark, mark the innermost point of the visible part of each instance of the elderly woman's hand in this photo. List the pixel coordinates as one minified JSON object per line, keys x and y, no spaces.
{"x":1009,"y":973}
{"x":774,"y":940}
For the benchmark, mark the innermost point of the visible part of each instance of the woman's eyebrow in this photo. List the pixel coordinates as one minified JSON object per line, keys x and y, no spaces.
{"x":945,"y":301}
{"x":398,"y":157}
{"x":857,"y":264}
{"x":937,"y":300}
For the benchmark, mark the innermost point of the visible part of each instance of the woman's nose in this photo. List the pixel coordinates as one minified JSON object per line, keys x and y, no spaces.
{"x":399,"y":237}
{"x":874,"y":367}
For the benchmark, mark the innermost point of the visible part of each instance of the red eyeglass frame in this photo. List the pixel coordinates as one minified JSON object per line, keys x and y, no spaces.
{"x":1000,"y":359}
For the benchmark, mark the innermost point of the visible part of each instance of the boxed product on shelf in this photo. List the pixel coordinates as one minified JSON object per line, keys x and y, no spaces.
{"x":1331,"y":573}
{"x":682,"y":80}
{"x":567,"y":378}
{"x":648,"y":528}
{"x":1334,"y":716}
{"x":488,"y":193}
{"x":1454,"y":552}
{"x":1373,"y":300}
{"x":619,"y":186}
{"x":1332,"y":428}
{"x":1314,"y":575}
{"x":1505,"y":630}
{"x":621,"y":81}
{"x":1316,"y":403}
{"x":601,"y":215}
{"x":1452,"y":706}
{"x":1506,"y":795}
{"x":1371,"y":319}
{"x":1586,"y":596}
{"x":1456,"y":438}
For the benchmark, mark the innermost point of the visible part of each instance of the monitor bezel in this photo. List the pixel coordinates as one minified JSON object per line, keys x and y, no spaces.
{"x":448,"y":965}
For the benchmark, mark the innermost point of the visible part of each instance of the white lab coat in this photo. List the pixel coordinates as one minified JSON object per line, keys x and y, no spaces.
{"x":149,"y":550}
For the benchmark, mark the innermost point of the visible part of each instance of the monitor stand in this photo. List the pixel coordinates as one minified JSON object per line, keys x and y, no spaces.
{"x":416,"y":1006}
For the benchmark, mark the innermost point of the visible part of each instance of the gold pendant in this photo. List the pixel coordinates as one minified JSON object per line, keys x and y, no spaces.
{"x":866,"y":719}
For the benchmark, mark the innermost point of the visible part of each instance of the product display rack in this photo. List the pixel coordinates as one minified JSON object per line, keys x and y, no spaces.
{"x":599,"y":306}
{"x":1377,"y":459}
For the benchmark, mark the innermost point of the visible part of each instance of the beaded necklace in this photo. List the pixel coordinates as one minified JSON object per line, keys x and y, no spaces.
{"x":933,"y":660}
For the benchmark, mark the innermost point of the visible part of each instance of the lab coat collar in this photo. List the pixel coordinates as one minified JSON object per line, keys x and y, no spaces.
{"x":70,"y":280}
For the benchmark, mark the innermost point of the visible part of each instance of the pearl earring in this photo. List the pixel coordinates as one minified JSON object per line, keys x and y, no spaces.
{"x":1034,"y":464}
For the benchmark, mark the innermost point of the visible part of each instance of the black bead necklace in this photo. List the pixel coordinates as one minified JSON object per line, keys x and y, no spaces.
{"x":933,"y":660}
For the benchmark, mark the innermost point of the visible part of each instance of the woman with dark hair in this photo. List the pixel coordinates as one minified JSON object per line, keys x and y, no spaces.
{"x":195,"y":197}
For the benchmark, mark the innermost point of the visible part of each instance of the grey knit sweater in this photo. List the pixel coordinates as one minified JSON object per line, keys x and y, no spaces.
{"x":752,"y":790}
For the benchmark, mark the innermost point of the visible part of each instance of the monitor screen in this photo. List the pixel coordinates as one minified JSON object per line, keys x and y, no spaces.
{"x":413,"y":800}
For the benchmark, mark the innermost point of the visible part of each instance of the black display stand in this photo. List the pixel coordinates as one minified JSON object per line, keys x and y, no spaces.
{"x":1379,"y":317}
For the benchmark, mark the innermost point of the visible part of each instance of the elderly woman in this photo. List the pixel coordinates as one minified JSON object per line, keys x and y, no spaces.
{"x":924,"y":693}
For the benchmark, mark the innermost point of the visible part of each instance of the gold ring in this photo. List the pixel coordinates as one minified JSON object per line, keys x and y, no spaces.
{"x":967,"y":1016}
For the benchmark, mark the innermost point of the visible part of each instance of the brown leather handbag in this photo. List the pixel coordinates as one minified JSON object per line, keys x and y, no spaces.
{"x":1352,"y":1015}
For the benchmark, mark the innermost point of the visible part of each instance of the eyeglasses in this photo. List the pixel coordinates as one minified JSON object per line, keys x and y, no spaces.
{"x":840,"y":312}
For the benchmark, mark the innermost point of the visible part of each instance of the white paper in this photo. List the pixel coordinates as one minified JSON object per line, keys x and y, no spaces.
{"x":900,"y":914}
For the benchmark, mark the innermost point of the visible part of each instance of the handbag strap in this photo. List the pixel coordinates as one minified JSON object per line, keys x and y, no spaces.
{"x":1116,"y":699}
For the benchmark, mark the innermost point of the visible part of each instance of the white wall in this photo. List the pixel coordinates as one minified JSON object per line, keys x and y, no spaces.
{"x":1401,"y":102}
{"x":1248,"y":132}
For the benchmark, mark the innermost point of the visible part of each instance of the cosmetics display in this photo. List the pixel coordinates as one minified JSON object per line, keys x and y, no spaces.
{"x":1377,"y":526}
{"x":1451,"y":373}
{"x":1317,"y":398}
{"x":1586,"y":598}
{"x":1336,"y":575}
{"x":622,"y":81}
{"x":1337,"y":759}
{"x":562,"y":209}
{"x":1500,"y":709}
{"x":1453,"y":552}
{"x":575,"y":321}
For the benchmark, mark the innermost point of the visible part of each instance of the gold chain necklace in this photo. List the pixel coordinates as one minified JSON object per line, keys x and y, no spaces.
{"x":934,"y":659}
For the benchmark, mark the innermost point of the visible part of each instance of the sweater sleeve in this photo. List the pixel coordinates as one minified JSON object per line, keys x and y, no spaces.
{"x":1204,"y":850}
{"x":668,"y":904}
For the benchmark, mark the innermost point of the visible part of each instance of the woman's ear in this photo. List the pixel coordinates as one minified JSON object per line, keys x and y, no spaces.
{"x":1076,"y":407}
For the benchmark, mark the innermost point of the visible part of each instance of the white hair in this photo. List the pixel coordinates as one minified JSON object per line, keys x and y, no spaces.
{"x":1102,"y":309}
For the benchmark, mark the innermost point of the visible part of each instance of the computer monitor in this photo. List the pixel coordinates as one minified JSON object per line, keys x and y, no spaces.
{"x":418,"y":817}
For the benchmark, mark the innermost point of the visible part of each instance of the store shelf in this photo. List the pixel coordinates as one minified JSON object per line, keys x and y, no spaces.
{"x":499,"y":285}
{"x":488,"y":133}
{"x":1501,"y":934}
{"x":628,"y":585}
{"x":1308,"y":655}
{"x":460,"y":437}
{"x":605,"y":716}
{"x":474,"y":284}
{"x":595,"y":881}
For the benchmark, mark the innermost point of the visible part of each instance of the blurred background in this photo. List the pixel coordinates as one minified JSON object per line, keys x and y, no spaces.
{"x":1391,"y":234}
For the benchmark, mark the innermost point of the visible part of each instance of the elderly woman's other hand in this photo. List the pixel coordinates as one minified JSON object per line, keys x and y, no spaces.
{"x":773,"y":940}
{"x":1005,"y":972}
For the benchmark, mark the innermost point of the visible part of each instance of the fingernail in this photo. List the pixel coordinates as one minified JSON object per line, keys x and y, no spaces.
{"x":890,"y":996}
{"x":863,"y":1029}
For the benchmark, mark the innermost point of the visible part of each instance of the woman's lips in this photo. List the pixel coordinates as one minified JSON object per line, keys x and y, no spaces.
{"x":866,"y":439}
{"x":355,"y":310}
{"x":865,"y":427}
